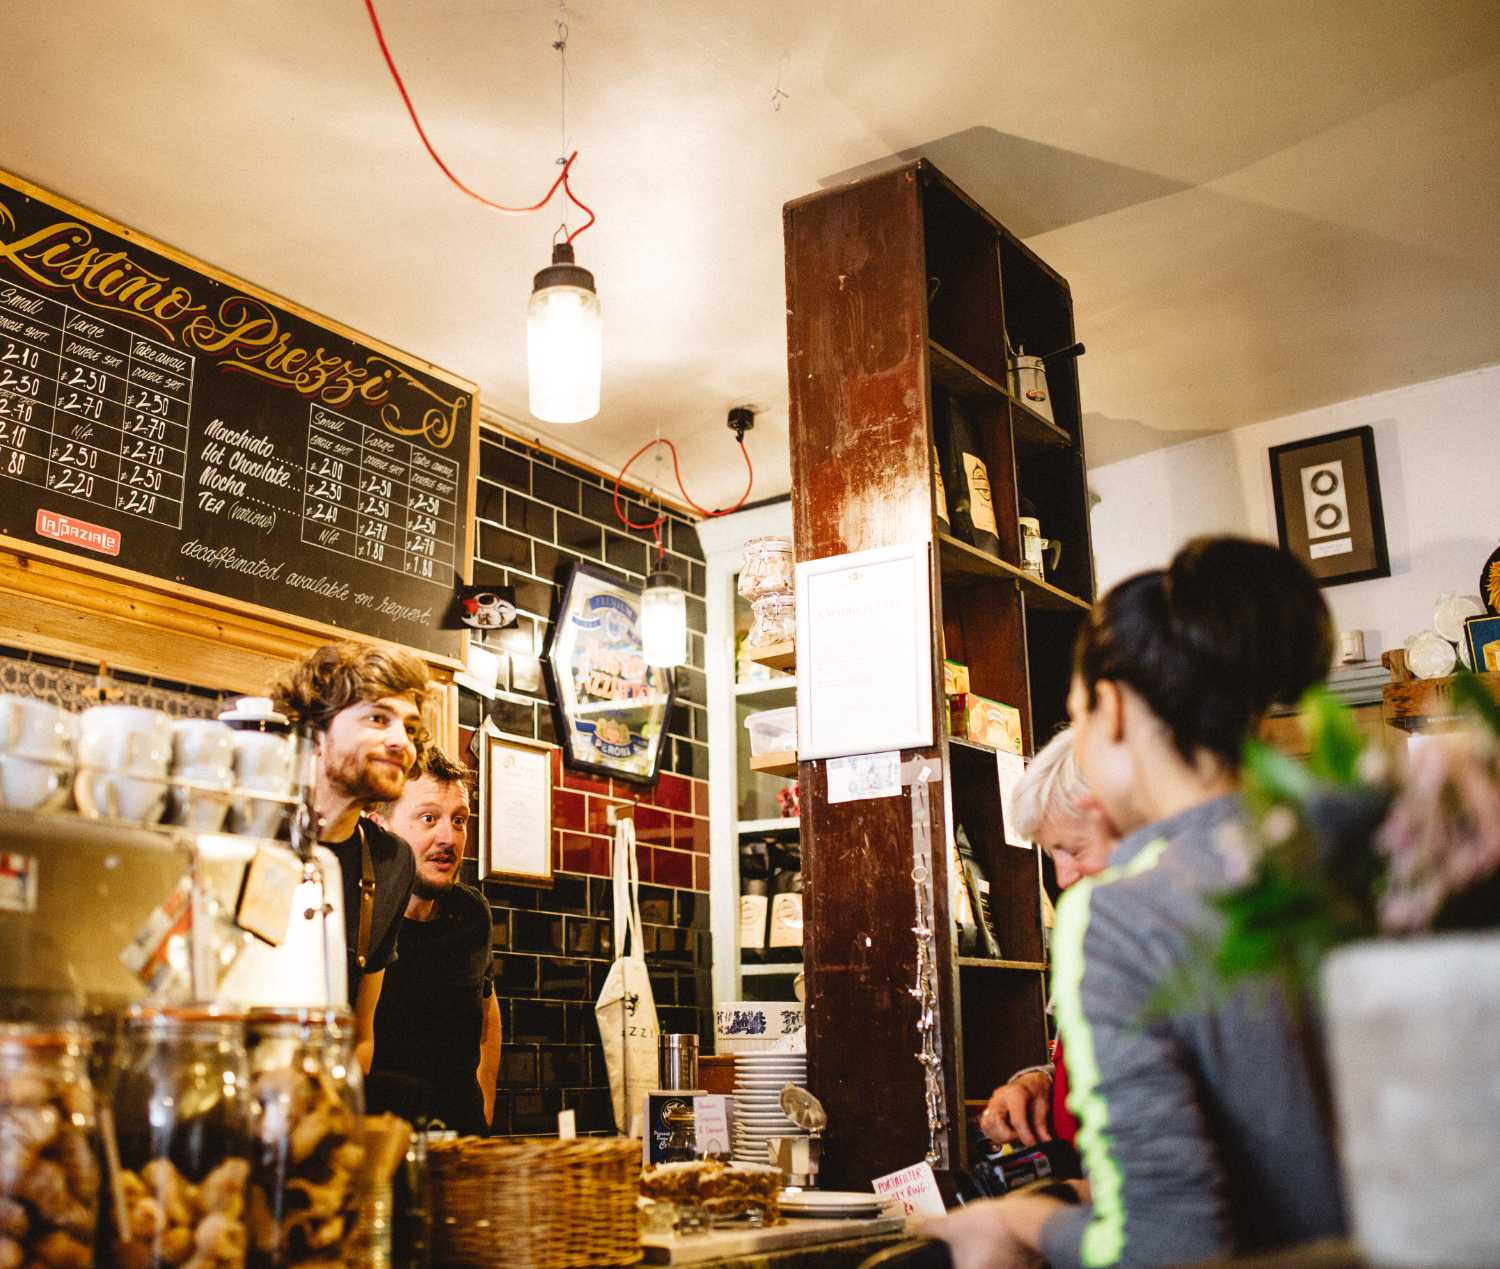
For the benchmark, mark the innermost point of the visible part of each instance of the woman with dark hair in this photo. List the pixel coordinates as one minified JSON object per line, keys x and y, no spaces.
{"x":1201,"y":1129}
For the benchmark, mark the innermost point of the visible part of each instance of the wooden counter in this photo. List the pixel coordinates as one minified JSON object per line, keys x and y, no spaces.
{"x":815,"y":1244}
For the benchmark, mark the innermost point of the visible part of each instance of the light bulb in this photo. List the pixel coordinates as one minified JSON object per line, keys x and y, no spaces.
{"x":664,"y":621}
{"x":564,"y":341}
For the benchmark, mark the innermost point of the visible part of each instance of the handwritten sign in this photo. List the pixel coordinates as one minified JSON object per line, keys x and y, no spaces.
{"x":914,"y":1189}
{"x":161,"y":417}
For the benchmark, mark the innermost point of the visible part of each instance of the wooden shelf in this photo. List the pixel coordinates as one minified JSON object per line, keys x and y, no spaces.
{"x":965,"y":743}
{"x":776,"y":764}
{"x":984,"y":962}
{"x":958,"y":378}
{"x":960,"y":557}
{"x":770,"y":687}
{"x":788,"y":824}
{"x":759,"y":969}
{"x":1420,"y":703}
{"x":775,"y":656}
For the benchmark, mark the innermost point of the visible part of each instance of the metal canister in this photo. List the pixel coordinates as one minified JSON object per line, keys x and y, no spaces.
{"x":677,"y":1062}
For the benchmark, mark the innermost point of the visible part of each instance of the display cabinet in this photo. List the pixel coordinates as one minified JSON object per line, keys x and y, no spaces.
{"x":904,"y":300}
{"x":744,"y":809}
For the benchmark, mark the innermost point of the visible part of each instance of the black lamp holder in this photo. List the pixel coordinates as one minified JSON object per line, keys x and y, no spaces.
{"x":741,"y":420}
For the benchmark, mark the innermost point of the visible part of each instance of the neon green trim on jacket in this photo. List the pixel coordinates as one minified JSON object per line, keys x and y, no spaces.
{"x":1104,"y":1238}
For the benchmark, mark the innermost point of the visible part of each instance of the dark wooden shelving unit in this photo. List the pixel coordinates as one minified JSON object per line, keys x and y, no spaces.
{"x":954,"y":375}
{"x":900,"y":287}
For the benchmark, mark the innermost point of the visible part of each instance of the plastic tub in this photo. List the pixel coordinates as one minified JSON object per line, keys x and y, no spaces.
{"x":772,"y":731}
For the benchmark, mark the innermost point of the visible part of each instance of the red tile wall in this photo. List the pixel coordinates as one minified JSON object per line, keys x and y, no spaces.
{"x":671,"y":824}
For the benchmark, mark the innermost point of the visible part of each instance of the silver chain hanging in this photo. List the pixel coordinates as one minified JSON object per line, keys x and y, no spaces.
{"x":925,"y":992}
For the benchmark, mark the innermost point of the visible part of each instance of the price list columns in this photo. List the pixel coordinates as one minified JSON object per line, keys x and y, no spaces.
{"x":89,"y":410}
{"x":378,"y":498}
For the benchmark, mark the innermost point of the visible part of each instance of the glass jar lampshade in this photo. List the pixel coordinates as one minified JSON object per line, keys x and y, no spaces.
{"x":664,"y":621}
{"x":564,"y":341}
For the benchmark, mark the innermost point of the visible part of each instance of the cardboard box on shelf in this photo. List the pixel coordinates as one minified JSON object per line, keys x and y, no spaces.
{"x":987,"y":722}
{"x":955,"y":678}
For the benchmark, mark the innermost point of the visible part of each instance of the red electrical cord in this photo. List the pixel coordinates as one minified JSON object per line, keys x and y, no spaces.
{"x":561,"y":180}
{"x":655,"y":525}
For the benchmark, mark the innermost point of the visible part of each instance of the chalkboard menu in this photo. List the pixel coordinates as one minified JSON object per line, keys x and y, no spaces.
{"x":164,"y":418}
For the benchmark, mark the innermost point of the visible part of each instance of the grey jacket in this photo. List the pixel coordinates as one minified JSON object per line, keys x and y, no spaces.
{"x":1201,"y":1132}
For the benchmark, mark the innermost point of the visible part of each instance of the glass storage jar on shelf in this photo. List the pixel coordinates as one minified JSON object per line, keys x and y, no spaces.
{"x":182,"y":1120}
{"x":309,"y":1173}
{"x":768,"y":582}
{"x":49,"y":1163}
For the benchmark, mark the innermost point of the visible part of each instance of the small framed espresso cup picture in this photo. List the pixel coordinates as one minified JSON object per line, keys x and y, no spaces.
{"x":1328,"y":514}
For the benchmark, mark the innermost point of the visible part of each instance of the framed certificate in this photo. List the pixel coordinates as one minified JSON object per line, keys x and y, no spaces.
{"x":515,"y":774}
{"x":864,"y":654}
{"x":1328,"y":512}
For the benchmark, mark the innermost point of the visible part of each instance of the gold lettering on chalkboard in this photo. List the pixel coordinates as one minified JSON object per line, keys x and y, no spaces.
{"x":245,"y":335}
{"x":248,"y":332}
{"x":63,"y":256}
{"x":439,"y":423}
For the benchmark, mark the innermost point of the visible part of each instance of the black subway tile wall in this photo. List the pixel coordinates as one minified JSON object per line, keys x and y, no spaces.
{"x":553,"y":945}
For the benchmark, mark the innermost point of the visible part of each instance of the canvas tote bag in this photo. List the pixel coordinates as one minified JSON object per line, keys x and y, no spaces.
{"x":626,"y":1010}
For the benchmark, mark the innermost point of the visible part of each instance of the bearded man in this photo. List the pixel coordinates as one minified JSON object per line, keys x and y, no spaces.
{"x":366,"y":705}
{"x":437,"y":1031}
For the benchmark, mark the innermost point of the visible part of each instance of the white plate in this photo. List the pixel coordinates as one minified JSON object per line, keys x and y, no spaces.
{"x":830,"y":1203}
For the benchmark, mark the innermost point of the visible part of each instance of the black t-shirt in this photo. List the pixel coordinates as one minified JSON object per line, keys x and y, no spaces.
{"x":395,"y":870}
{"x":431,"y":1016}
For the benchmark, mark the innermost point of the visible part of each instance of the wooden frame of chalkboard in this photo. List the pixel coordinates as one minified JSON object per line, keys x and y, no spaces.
{"x":205,"y":447}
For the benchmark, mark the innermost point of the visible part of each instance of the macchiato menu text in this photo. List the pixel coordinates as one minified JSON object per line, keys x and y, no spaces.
{"x":185,"y":426}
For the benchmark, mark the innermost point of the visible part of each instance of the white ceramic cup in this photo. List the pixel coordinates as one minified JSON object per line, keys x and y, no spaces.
{"x":203,"y":752}
{"x":125,"y":740}
{"x":199,"y":808}
{"x":257,"y":817}
{"x":263,"y":762}
{"x":30,"y":728}
{"x":112,"y":795}
{"x":28,"y":784}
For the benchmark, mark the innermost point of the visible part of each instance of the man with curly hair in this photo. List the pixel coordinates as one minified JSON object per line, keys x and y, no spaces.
{"x":365,"y":703}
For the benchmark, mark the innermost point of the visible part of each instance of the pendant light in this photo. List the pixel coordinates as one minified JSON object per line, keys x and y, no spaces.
{"x":563,"y":330}
{"x":564,"y":341}
{"x":664,"y":620}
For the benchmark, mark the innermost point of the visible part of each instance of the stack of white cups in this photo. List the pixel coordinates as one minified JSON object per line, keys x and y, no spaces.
{"x":124,"y":752}
{"x":264,"y":766}
{"x":36,"y":753}
{"x":202,"y":773}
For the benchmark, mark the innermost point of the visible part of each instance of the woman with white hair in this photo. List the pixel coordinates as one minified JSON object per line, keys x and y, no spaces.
{"x":1053,"y":807}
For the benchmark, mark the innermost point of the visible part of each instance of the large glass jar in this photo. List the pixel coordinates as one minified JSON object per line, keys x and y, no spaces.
{"x":49,"y":1167}
{"x":768,"y":582}
{"x":182,"y":1120}
{"x":309,"y":1172}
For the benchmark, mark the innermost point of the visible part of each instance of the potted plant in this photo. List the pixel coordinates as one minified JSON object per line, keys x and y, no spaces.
{"x":1371,"y":890}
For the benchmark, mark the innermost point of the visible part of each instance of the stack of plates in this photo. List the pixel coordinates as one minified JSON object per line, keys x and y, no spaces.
{"x":836,"y":1204}
{"x":758,"y":1081}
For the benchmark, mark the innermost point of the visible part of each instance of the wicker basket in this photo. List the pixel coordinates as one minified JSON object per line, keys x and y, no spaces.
{"x":536,"y":1203}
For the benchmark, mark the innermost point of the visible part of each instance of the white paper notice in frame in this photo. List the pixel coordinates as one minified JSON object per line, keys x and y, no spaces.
{"x":864,"y":657}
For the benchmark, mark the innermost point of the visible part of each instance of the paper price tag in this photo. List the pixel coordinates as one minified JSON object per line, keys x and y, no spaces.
{"x":711,"y":1125}
{"x":914,"y":1188}
{"x":567,"y":1125}
{"x":1011,"y":768}
{"x":270,"y":885}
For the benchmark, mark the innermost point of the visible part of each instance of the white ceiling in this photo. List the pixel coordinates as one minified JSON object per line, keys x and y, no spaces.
{"x":1261,"y":208}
